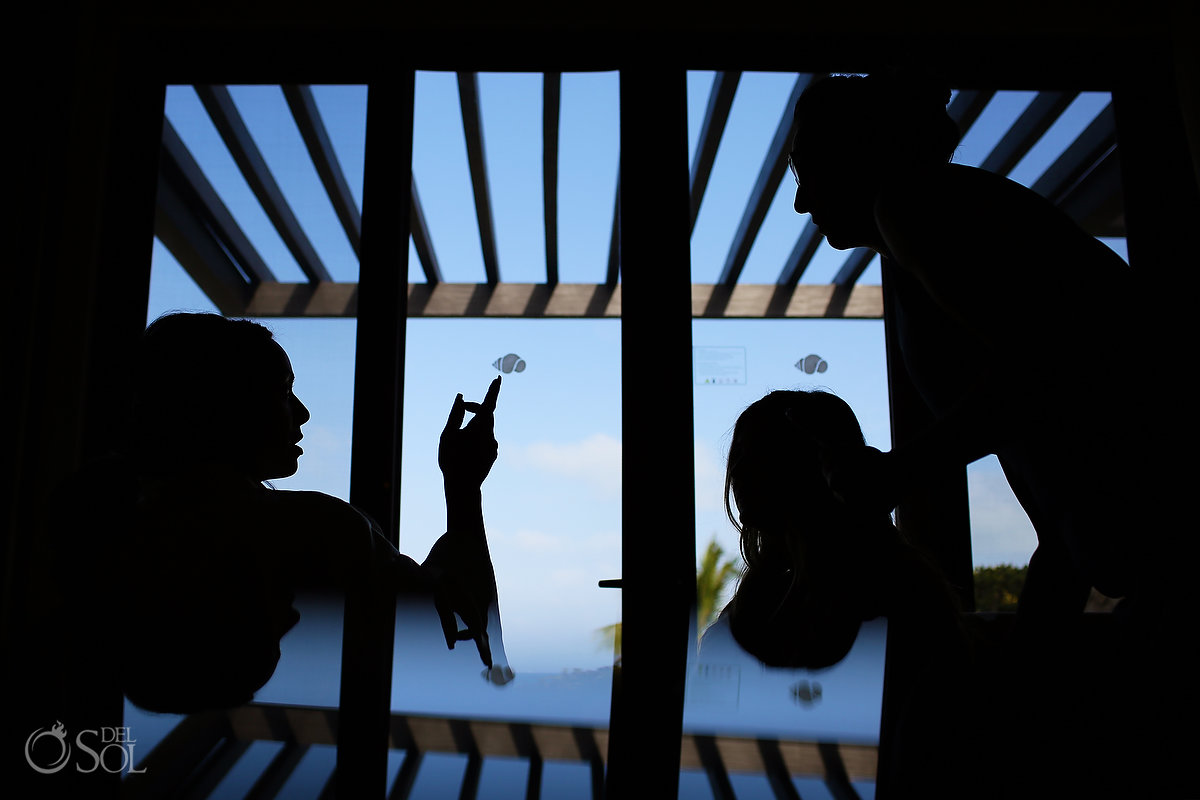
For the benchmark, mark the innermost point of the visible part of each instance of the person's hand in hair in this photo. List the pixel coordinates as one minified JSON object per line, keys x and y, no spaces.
{"x":862,"y":477}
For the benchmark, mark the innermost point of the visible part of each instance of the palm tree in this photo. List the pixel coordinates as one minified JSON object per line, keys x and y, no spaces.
{"x":711,"y":580}
{"x":610,"y":638}
{"x":712,"y":576}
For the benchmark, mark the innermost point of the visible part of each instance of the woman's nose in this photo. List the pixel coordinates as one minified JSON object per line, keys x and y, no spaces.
{"x":801,"y":201}
{"x":300,"y":411}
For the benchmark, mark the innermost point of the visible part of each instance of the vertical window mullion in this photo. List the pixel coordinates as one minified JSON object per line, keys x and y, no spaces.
{"x":658,"y":494}
{"x":375,"y":457}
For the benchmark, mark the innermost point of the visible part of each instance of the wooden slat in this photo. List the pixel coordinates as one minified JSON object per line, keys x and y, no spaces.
{"x":967,"y":105}
{"x":1090,"y":148}
{"x":224,"y":114}
{"x":320,"y":149}
{"x":533,"y":784}
{"x":613,"y":273}
{"x":777,"y":774}
{"x":714,"y":766}
{"x":765,"y":187}
{"x":200,"y":786}
{"x":407,"y":776}
{"x":192,"y":244}
{"x":276,"y":774}
{"x":551,"y":97}
{"x":470,"y":782}
{"x":1037,"y":117}
{"x":801,"y":256}
{"x":854,"y":266}
{"x":720,"y":100}
{"x":1096,"y":201}
{"x":173,"y":759}
{"x":468,"y":93}
{"x":185,"y":175}
{"x":422,"y":241}
{"x":837,"y":780}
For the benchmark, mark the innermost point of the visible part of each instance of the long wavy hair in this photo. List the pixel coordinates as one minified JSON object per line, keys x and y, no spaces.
{"x":803,"y":594}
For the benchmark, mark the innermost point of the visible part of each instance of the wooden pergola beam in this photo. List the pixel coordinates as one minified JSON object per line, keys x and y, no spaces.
{"x":564,"y":300}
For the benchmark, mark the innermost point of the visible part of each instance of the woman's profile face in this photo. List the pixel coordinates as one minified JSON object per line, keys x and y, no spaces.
{"x":275,"y":422}
{"x":835,"y":185}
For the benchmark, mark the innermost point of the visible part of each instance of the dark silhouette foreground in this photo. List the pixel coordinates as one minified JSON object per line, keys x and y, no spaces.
{"x":1011,"y":321}
{"x":210,"y":559}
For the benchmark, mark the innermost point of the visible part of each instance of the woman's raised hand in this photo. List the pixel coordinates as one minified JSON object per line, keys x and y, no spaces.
{"x":466,"y":454}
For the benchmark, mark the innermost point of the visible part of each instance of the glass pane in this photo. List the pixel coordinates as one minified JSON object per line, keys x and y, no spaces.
{"x":552,"y":511}
{"x":552,"y":502}
{"x":729,"y":692}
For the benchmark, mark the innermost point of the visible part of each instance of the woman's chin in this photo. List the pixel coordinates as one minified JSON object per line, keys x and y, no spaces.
{"x":283,"y":470}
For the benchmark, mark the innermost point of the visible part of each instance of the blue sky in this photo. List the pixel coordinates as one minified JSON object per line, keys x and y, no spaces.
{"x":553,"y":501}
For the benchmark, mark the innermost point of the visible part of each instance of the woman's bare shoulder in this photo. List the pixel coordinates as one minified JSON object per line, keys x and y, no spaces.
{"x":308,"y":508}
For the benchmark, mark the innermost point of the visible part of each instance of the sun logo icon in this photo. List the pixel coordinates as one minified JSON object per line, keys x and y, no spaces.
{"x":58,"y":732}
{"x":510,"y":363}
{"x":812,"y":363}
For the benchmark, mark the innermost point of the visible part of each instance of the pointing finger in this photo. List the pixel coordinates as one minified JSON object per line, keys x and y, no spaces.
{"x":489,"y":400}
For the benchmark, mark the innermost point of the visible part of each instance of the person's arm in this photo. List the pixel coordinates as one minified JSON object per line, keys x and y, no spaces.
{"x":974,"y":247}
{"x":460,"y":558}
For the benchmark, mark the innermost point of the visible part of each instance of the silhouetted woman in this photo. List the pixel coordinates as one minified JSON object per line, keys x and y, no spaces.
{"x":212,"y":558}
{"x":816,"y":569}
{"x":1014,"y":324}
{"x":1027,"y":338}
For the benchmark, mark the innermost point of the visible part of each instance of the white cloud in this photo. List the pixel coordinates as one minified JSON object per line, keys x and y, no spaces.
{"x":537,"y":541}
{"x":595,"y":460}
{"x":570,"y":578}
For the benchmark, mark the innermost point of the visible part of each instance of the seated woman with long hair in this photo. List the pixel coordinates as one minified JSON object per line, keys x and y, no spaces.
{"x":817,"y":568}
{"x":971,"y":711}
